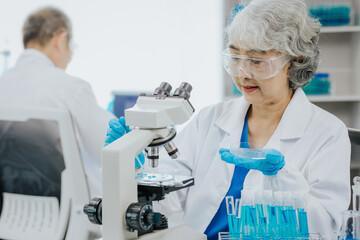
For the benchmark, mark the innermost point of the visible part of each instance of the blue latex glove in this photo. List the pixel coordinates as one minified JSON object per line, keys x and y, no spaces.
{"x":117,"y":129}
{"x":273,"y":162}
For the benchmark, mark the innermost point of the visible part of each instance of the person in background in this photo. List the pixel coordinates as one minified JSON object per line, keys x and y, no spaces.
{"x":39,"y":80}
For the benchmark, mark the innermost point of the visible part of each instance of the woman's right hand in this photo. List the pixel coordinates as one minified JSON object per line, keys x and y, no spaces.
{"x":117,"y":129}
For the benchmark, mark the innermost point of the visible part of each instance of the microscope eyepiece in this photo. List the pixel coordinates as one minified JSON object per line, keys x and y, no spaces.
{"x":163,"y":89}
{"x":184,"y":90}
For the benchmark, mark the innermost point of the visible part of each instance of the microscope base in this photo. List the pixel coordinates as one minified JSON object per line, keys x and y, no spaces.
{"x":179,"y":232}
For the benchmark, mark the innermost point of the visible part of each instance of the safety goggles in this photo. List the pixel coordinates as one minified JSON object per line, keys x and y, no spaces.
{"x":253,"y":67}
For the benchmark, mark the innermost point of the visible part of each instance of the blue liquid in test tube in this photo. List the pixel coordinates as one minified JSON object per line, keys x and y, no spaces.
{"x":292,"y":222}
{"x":230,"y":209}
{"x":303,"y":223}
{"x":261,"y":230}
{"x":237,"y":218}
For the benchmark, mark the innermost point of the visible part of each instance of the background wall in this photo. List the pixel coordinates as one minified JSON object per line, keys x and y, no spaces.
{"x":133,"y":45}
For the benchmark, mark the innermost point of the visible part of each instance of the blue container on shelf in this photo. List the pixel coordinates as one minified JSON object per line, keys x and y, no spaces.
{"x":235,"y":11}
{"x":319,"y":84}
{"x":331,"y":14}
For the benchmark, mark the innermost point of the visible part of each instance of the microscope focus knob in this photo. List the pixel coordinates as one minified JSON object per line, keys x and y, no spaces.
{"x":139,"y":216}
{"x":94,"y":210}
{"x":154,"y":218}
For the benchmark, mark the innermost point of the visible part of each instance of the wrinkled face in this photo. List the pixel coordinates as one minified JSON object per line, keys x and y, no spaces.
{"x":261,"y":76}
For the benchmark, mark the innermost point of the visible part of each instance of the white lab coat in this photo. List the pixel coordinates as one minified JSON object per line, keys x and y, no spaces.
{"x":315,"y":144}
{"x":36,"y":82}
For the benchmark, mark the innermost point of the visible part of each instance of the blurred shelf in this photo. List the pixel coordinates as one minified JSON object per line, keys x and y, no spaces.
{"x":354,"y":165}
{"x":340,"y":29}
{"x":334,"y":98}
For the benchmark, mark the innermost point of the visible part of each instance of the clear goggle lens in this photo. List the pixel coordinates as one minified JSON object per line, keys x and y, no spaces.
{"x":255,"y":68}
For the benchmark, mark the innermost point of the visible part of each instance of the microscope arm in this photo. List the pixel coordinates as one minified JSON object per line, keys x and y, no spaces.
{"x":119,"y":184}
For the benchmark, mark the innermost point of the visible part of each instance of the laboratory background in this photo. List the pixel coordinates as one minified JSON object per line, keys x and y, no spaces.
{"x":127,"y":47}
{"x":133,"y":45}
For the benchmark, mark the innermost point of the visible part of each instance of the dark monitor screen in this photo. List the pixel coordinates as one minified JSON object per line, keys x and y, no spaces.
{"x":31,"y":158}
{"x":122,"y":101}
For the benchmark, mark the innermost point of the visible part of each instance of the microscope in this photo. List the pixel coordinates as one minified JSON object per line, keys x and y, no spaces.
{"x":125,"y":210}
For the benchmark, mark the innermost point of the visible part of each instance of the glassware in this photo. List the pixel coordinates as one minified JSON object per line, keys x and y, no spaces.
{"x":350,"y":225}
{"x":227,"y":236}
{"x":356,"y":193}
{"x":248,"y":150}
{"x":230,"y":210}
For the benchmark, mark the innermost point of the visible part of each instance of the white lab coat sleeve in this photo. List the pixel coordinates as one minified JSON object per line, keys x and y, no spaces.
{"x":325,"y":183}
{"x":90,"y":120}
{"x":186,"y":142}
{"x":91,"y":123}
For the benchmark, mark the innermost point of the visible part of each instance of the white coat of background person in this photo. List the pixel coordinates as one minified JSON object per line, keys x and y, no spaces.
{"x":272,"y":52}
{"x":39,"y":80}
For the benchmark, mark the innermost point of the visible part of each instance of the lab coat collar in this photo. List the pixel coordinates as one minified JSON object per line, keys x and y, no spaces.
{"x":31,"y":54}
{"x":232,"y":118}
{"x":292,"y":125}
{"x":232,"y":121}
{"x":296,"y":117}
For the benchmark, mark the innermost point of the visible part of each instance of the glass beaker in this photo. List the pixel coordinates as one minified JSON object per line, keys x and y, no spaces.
{"x":350,"y":225}
{"x":356,"y":193}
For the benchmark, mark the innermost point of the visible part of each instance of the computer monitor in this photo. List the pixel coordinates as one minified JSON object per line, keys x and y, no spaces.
{"x":31,"y":159}
{"x":122,"y":101}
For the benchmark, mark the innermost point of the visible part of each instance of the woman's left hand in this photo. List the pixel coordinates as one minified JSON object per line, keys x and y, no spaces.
{"x":272,"y":163}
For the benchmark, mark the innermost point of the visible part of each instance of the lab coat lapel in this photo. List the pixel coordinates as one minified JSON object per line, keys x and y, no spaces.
{"x":296,"y":118}
{"x":232,"y":120}
{"x":294,"y":121}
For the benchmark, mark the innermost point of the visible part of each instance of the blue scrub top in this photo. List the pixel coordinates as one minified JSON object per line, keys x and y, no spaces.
{"x":220,"y":221}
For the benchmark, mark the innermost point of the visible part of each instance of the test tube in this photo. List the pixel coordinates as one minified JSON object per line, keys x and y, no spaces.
{"x":248,"y":215}
{"x":270,"y":213}
{"x":303,"y":230}
{"x":356,"y":193}
{"x":230,"y":209}
{"x":350,"y":224}
{"x":237,"y":217}
{"x":280,"y":215}
{"x":261,"y":219}
{"x":290,"y":215}
{"x":244,"y":214}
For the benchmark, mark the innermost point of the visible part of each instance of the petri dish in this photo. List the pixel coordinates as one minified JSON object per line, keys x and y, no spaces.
{"x":154,"y":177}
{"x":248,"y":150}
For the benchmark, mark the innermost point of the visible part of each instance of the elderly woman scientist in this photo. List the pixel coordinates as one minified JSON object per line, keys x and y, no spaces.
{"x":272,"y":52}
